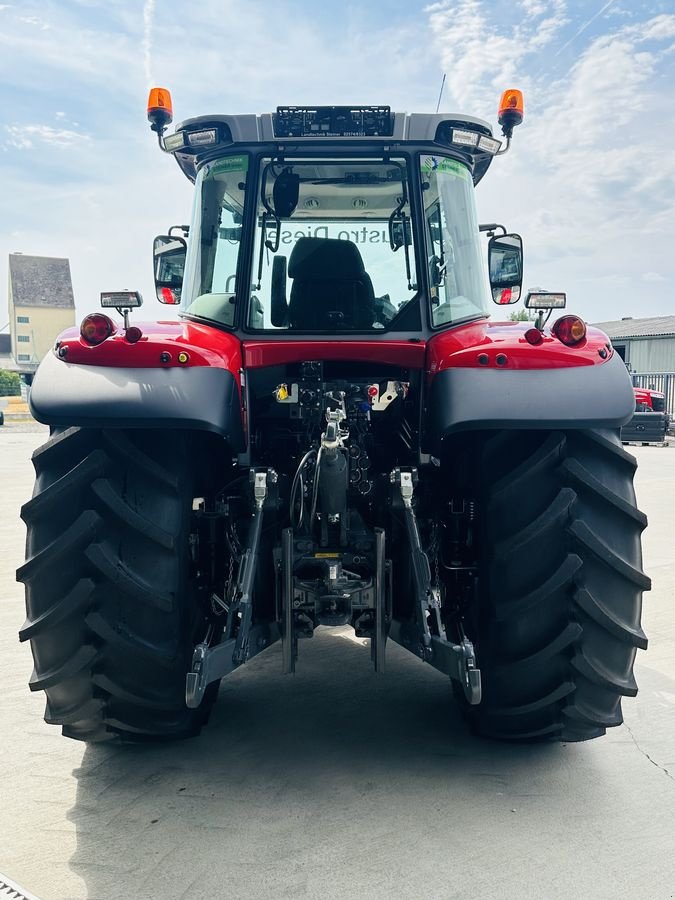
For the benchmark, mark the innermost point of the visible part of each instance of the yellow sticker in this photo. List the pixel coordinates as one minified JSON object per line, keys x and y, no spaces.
{"x":327,"y":556}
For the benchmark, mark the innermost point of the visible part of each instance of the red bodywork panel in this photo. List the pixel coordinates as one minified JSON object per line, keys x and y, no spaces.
{"x":204,"y":345}
{"x":467,"y":347}
{"x":476,"y":345}
{"x":407,"y":354}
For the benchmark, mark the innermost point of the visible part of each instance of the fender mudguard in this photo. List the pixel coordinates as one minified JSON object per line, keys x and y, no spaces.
{"x":464,"y":399}
{"x":202,"y":397}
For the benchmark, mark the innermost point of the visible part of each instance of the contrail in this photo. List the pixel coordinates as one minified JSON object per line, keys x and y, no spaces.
{"x":584,"y":27}
{"x":148,"y":16}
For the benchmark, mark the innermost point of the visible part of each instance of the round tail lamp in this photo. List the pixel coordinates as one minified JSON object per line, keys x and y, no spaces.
{"x":570,"y":330}
{"x":95,"y":328}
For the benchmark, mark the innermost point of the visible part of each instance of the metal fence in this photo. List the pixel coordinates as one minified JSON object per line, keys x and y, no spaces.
{"x":658,"y":381}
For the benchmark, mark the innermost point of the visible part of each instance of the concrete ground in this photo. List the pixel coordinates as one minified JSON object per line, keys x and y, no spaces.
{"x":335,"y":783}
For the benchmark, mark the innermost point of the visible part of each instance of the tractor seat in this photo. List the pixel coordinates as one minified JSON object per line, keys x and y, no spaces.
{"x":331,"y":289}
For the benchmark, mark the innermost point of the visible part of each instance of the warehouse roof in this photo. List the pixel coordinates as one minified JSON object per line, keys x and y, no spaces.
{"x":657,"y":326}
{"x":41,"y":281}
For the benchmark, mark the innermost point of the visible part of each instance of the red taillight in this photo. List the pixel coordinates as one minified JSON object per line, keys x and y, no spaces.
{"x":133,"y":334}
{"x":533,"y":336}
{"x":95,"y":328}
{"x":570,"y":330}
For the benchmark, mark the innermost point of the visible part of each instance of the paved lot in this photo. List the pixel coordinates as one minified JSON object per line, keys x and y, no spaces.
{"x":337,"y":784}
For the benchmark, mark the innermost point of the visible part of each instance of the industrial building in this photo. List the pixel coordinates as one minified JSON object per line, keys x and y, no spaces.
{"x":645,"y":345}
{"x":41,"y":304}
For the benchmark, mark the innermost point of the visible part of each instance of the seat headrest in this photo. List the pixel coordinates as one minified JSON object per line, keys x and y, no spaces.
{"x":329,"y":258}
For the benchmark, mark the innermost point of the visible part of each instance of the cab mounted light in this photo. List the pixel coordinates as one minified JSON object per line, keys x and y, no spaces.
{"x":173,"y":142}
{"x":511,"y":111}
{"x":462,"y":137}
{"x":465,"y":138}
{"x":202,"y":138}
{"x":160,"y":109}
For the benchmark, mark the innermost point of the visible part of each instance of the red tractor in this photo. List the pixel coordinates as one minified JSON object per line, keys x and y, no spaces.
{"x":333,"y":433}
{"x":649,"y":400}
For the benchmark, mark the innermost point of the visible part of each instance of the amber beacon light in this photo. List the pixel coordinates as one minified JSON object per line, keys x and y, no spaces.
{"x":511,"y":111}
{"x":160,"y":109}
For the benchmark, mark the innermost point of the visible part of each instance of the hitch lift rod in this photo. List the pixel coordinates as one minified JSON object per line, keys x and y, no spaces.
{"x":458,"y":661}
{"x":210,"y":664}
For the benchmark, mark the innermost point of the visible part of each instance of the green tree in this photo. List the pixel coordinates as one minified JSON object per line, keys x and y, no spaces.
{"x":10,"y":384}
{"x":521,"y":315}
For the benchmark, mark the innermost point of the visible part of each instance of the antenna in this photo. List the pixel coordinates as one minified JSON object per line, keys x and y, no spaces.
{"x":440,"y":93}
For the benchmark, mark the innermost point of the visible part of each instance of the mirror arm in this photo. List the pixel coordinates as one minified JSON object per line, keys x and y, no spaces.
{"x":505,"y":149}
{"x":406,"y":251}
{"x":262,"y":251}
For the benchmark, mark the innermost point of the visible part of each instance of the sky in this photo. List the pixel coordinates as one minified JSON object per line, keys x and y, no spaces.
{"x":589,"y":182}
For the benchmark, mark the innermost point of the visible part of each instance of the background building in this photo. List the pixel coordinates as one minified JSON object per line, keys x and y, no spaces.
{"x":6,"y":361}
{"x":645,"y":345}
{"x":41,"y":305}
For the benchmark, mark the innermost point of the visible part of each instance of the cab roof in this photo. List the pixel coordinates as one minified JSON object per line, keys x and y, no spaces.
{"x":273,"y":129}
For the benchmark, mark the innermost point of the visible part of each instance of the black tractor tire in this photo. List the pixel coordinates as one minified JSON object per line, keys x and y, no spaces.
{"x":111,"y":612}
{"x":561,"y":581}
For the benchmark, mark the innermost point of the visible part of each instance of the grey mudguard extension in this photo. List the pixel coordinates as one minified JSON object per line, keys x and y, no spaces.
{"x":203,"y":398}
{"x":460,"y":399}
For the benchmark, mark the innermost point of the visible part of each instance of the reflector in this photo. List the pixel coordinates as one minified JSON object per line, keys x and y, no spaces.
{"x":534,"y":336}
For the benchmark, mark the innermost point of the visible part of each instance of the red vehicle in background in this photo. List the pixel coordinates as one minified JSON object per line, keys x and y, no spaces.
{"x":648,"y":400}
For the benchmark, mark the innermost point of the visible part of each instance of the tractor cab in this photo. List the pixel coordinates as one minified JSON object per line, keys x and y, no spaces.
{"x":333,"y":220}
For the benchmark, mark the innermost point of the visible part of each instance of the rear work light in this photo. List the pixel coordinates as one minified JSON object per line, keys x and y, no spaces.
{"x":95,"y":328}
{"x":570,"y":330}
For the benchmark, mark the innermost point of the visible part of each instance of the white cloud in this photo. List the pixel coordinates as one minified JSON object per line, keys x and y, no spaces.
{"x":148,"y":16}
{"x":23,"y":137}
{"x":587,"y":182}
{"x":33,"y":20}
{"x":653,"y":277}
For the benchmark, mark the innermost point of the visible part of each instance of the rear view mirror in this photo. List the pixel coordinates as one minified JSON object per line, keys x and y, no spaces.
{"x":169,"y":264}
{"x":285,"y":194}
{"x":505,"y":263}
{"x":279,"y":304}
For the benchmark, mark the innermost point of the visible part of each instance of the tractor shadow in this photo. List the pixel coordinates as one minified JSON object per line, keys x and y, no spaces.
{"x":329,"y":761}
